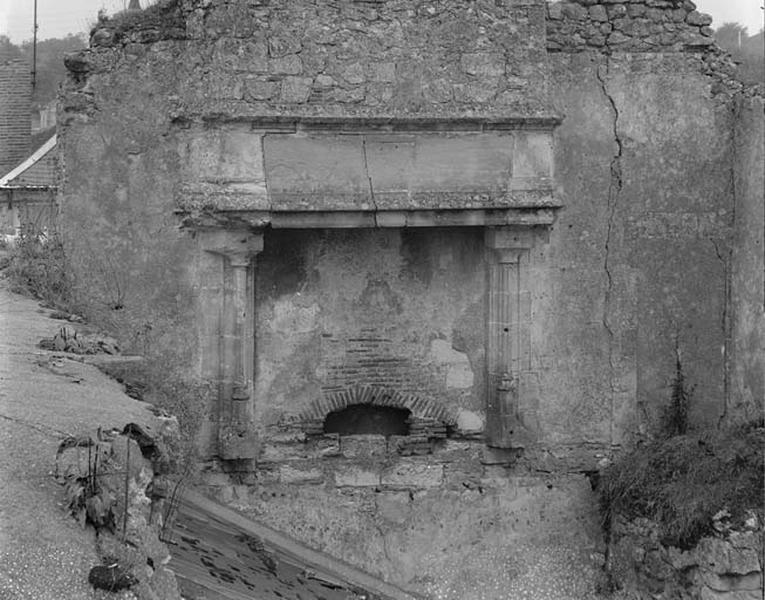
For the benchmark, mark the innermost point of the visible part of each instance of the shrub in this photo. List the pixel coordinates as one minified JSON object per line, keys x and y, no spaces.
{"x":37,"y":265}
{"x":681,"y":482}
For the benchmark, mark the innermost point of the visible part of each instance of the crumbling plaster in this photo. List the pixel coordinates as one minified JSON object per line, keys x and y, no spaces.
{"x":645,"y":159}
{"x":399,"y":293}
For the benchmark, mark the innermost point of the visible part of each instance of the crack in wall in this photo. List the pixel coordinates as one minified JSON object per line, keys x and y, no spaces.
{"x":369,"y":179}
{"x":726,"y":330}
{"x":614,"y":189}
{"x":727,"y":327}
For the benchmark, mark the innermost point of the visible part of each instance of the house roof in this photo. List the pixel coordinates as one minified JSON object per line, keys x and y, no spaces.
{"x":38,"y":172}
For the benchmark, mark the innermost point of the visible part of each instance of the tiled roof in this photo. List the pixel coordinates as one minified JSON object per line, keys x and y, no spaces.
{"x":38,"y":171}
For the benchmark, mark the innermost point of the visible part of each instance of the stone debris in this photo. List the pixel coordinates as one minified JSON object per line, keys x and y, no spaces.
{"x":68,"y":340}
{"x":107,"y":461}
{"x":724,"y":566}
{"x":65,"y":316}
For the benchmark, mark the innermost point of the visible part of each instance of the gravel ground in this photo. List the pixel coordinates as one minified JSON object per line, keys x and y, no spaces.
{"x":44,"y":396}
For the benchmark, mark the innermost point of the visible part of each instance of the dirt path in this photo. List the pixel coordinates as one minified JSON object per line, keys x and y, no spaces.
{"x":44,"y":554}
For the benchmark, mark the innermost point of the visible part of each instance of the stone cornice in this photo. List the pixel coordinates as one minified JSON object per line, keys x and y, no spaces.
{"x":371,"y":124}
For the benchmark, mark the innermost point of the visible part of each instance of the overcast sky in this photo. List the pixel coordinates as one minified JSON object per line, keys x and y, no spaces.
{"x":56,"y":18}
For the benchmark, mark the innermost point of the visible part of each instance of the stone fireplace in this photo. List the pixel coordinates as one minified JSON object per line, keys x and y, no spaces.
{"x":410,"y":218}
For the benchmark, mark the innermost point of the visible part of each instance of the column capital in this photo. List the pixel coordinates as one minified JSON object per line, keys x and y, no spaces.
{"x":513,"y":237}
{"x":239,"y":245}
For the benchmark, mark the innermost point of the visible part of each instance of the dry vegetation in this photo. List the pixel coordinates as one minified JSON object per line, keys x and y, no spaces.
{"x":681,"y":482}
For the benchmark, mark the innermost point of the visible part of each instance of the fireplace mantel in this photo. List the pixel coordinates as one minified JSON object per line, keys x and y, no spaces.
{"x":358,"y":174}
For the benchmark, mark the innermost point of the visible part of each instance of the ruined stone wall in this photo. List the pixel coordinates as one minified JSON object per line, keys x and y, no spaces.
{"x":627,"y":26}
{"x":633,"y":281}
{"x":339,"y":59}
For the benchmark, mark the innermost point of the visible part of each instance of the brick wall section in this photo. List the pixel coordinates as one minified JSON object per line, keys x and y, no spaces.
{"x":371,"y":357}
{"x":627,"y":26}
{"x":15,"y":120}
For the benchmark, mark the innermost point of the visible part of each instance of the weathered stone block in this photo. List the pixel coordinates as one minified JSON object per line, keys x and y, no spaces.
{"x":483,"y":64}
{"x":292,"y":474}
{"x":363,"y":446}
{"x":286,"y":436}
{"x":326,"y":445}
{"x":698,"y":19}
{"x":411,"y":474}
{"x":356,"y":476}
{"x":295,"y":90}
{"x":286,"y":65}
{"x":237,"y":441}
{"x":574,"y":11}
{"x":598,"y":13}
{"x":499,"y":456}
{"x":280,"y":452}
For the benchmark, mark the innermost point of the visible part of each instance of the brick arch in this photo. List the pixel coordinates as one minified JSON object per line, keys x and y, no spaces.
{"x":421,"y":408}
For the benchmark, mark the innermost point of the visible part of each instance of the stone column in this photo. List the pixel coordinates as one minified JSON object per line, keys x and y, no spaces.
{"x":507,"y":334}
{"x":237,"y":438}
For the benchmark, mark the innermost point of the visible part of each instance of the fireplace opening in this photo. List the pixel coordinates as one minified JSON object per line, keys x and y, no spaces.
{"x":368,"y":418}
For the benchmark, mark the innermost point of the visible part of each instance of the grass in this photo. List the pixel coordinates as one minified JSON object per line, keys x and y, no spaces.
{"x":681,"y":482}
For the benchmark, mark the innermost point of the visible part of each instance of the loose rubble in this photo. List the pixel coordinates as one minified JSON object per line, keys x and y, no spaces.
{"x":119,"y":482}
{"x":68,"y":340}
{"x":723,"y":566}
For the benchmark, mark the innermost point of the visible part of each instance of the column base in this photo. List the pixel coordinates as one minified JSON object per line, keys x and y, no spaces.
{"x":237,"y":441}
